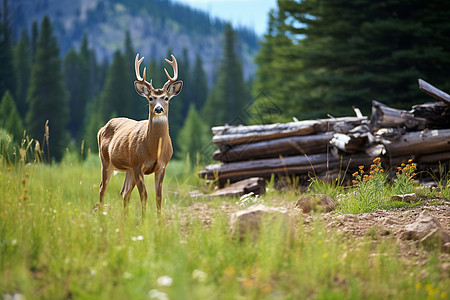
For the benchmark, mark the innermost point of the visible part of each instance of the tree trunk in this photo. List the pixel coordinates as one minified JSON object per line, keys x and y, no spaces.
{"x":232,"y":135}
{"x":310,"y":144}
{"x":433,"y":92}
{"x":418,"y":143}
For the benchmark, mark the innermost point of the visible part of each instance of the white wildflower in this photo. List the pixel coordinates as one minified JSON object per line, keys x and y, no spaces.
{"x":199,"y":275}
{"x":137,"y":238}
{"x":164,"y":281}
{"x":155,"y":294}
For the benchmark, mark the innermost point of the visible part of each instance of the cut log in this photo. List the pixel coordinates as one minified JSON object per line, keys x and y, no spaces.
{"x":437,"y":114}
{"x":294,"y":165}
{"x":310,"y":144}
{"x":433,"y":91}
{"x":419,"y":142}
{"x":384,"y":116}
{"x":254,"y":185}
{"x":432,"y":158}
{"x":232,"y":135}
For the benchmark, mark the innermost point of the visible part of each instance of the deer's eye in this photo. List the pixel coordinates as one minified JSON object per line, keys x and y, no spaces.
{"x":150,"y":98}
{"x":166,"y":98}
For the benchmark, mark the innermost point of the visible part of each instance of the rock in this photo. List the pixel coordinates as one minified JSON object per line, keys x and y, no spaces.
{"x":427,"y":230}
{"x":348,"y":218}
{"x":405,"y":198}
{"x":248,"y":221}
{"x":389,"y":221}
{"x":315,"y":202}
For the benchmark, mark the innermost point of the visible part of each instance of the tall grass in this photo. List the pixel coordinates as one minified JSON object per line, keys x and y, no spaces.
{"x":53,"y":247}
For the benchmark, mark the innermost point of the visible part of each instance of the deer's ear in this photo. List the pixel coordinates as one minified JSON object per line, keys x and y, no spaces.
{"x":141,"y":89}
{"x":175,"y":88}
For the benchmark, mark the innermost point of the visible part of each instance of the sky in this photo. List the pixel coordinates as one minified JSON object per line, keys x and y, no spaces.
{"x":247,"y":13}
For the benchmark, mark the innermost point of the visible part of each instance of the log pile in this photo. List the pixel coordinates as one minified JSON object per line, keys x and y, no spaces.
{"x":327,"y":147}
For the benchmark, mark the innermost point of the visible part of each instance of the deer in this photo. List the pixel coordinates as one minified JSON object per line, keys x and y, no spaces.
{"x":140,"y":148}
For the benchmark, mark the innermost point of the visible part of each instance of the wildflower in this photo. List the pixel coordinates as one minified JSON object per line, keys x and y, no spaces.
{"x":155,"y":294}
{"x":377,"y":160}
{"x":24,"y":181}
{"x":164,"y":281}
{"x":9,"y":169}
{"x":137,"y":238}
{"x":361,"y":167}
{"x":27,"y":175}
{"x":199,"y":275}
{"x":410,"y":161}
{"x":355,"y":182}
{"x":325,"y":255}
{"x":418,"y":285}
{"x":355,"y":174}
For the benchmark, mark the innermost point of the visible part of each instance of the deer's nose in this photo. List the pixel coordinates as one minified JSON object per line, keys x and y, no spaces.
{"x":158,"y":110}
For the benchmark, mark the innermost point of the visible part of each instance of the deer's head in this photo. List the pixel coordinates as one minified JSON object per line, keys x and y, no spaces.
{"x":158,"y":98}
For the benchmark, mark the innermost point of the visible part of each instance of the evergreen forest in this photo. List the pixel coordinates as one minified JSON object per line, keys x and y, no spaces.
{"x":317,"y":58}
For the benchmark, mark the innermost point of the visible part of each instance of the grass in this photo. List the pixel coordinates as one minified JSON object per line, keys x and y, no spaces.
{"x":53,"y":247}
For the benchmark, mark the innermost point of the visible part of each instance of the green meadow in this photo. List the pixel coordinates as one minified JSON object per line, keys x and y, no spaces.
{"x":52,"y":246}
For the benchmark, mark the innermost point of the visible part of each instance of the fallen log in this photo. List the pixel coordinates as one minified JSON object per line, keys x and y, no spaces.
{"x":433,"y":91}
{"x":232,"y":135}
{"x":255,"y":185}
{"x":437,"y":114}
{"x":309,"y":144}
{"x":286,"y":166}
{"x":419,"y":142}
{"x":384,"y":116}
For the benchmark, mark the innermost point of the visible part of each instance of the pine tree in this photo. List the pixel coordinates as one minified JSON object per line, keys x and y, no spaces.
{"x":34,"y":39}
{"x":345,"y":54}
{"x":271,"y":89}
{"x":114,"y":99}
{"x":93,"y":122}
{"x":22,"y":64}
{"x":76,"y":74}
{"x":199,"y":84}
{"x":135,"y":101}
{"x":229,"y":96}
{"x":7,"y":71}
{"x":9,"y":117}
{"x":47,"y":97}
{"x":194,"y":137}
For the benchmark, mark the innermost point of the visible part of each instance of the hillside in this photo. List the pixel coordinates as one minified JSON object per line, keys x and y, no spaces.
{"x":155,"y":26}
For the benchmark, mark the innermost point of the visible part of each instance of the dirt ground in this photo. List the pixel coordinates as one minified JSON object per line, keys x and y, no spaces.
{"x":379,"y":225}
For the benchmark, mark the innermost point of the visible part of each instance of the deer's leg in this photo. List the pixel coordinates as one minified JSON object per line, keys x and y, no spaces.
{"x":128,"y":186}
{"x":107,"y":171}
{"x":159,"y":177}
{"x":139,"y":180}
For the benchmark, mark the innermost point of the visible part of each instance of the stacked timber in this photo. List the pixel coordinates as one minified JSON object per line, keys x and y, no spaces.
{"x":327,"y":148}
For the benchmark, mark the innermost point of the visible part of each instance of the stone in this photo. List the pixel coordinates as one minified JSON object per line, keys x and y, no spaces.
{"x":247,"y":222}
{"x":410,"y":198}
{"x":316,"y":203}
{"x":427,"y":230}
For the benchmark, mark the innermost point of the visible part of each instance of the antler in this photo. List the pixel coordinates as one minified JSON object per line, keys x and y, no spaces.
{"x":174,"y":65}
{"x":137,"y":63}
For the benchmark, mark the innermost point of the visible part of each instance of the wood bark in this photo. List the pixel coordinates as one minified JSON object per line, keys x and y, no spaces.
{"x":297,"y":165}
{"x":384,"y":116}
{"x":419,"y":142}
{"x":232,"y":135}
{"x":310,"y":144}
{"x":433,"y":91}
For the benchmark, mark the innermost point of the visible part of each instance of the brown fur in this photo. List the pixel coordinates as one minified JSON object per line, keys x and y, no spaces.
{"x":138,"y":147}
